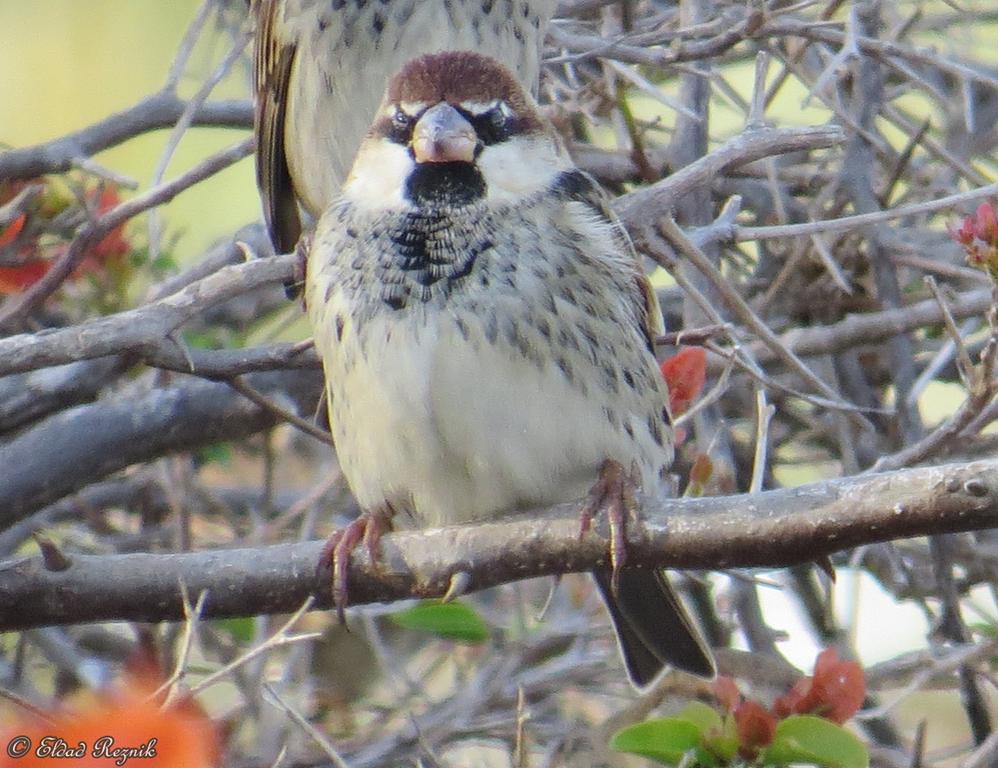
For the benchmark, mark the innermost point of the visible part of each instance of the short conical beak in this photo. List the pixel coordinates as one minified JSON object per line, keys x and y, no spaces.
{"x":442,"y":135}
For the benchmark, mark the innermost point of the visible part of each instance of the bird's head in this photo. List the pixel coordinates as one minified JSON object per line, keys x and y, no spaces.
{"x":455,"y":128}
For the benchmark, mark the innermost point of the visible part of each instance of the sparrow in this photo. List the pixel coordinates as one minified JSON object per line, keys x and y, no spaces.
{"x":486,"y":333}
{"x":320,"y":70}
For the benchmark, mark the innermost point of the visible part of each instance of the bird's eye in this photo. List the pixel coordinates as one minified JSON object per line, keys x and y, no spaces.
{"x":499,"y":118}
{"x":496,"y":125}
{"x":400,"y":120}
{"x":400,"y":128}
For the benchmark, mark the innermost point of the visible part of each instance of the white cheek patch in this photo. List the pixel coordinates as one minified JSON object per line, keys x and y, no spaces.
{"x":379,"y":175}
{"x":521,"y":166}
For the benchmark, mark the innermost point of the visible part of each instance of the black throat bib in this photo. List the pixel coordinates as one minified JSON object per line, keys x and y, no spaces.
{"x":445,"y":185}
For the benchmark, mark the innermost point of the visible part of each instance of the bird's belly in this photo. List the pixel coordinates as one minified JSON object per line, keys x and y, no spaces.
{"x":379,"y":410}
{"x":450,"y":427}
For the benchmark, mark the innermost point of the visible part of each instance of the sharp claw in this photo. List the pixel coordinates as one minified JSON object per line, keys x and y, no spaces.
{"x":595,"y":502}
{"x":326,"y":556}
{"x":458,"y":586}
{"x":617,"y":516}
{"x":614,"y":492}
{"x":347,"y":541}
{"x":555,"y":581}
{"x":825,"y":564}
{"x":367,"y":529}
{"x":293,"y":288}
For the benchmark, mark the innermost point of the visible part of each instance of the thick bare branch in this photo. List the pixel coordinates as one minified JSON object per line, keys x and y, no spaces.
{"x":82,"y":445}
{"x":776,"y":528}
{"x":148,"y":324}
{"x":161,"y":110}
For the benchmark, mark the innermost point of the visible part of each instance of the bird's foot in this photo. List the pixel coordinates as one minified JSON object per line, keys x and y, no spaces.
{"x":614,"y":493}
{"x":366,"y":529}
{"x":293,"y":288}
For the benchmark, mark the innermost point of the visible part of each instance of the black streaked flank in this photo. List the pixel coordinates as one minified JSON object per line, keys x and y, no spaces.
{"x":575,"y":185}
{"x":582,"y":188}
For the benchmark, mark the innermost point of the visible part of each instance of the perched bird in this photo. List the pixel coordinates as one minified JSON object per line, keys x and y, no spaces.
{"x":486,"y":333}
{"x":321,"y":69}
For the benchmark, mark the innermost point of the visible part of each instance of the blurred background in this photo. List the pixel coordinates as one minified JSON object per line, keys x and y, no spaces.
{"x":65,"y":64}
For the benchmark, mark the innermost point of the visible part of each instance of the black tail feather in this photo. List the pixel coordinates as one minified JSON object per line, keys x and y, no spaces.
{"x":652,"y":626}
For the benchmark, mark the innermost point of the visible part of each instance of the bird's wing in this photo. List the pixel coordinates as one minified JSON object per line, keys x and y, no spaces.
{"x":581,"y":187}
{"x":274,"y":55}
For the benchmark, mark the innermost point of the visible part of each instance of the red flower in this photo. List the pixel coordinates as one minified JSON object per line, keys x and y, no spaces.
{"x":987,"y":224}
{"x":113,"y":244}
{"x":12,"y":230}
{"x":756,"y":728}
{"x":16,"y":277}
{"x":685,"y":373}
{"x":964,"y":234}
{"x":978,"y":235}
{"x":835,"y":692}
{"x":178,"y":737}
{"x":23,"y":276}
{"x":108,"y":251}
{"x":726,"y":692}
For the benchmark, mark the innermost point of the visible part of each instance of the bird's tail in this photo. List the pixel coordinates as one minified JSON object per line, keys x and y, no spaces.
{"x":652,"y":627}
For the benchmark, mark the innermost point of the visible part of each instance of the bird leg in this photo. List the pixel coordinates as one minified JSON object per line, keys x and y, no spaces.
{"x":293,"y":288}
{"x":614,"y":494}
{"x":366,"y":529}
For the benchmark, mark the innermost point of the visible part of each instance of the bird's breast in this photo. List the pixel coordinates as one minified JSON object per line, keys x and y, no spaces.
{"x":475,"y":364}
{"x":425,"y":258}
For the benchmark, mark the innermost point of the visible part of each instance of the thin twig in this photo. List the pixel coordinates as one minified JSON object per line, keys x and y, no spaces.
{"x":744,"y":313}
{"x":280,"y":638}
{"x":313,"y":733}
{"x":292,"y":418}
{"x":964,"y":364}
{"x":846,"y":223}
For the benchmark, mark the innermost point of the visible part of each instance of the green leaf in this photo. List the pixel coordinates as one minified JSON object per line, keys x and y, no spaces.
{"x":810,"y":739}
{"x":986,"y":629}
{"x":454,"y":621}
{"x":240,"y":627}
{"x":214,"y":452}
{"x":718,"y":734}
{"x":705,"y":717}
{"x":666,"y":740}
